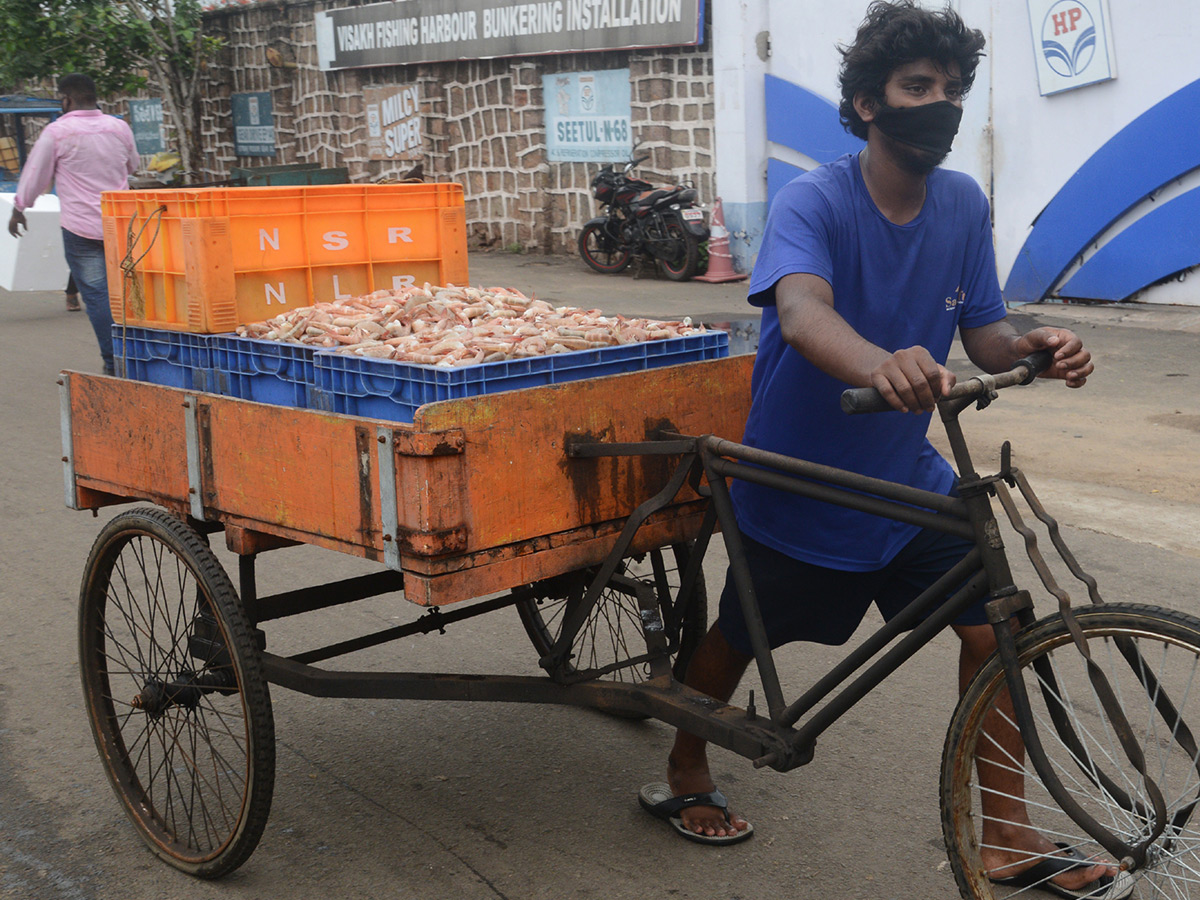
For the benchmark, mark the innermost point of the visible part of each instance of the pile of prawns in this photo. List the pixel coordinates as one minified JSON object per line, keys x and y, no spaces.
{"x":457,"y":326}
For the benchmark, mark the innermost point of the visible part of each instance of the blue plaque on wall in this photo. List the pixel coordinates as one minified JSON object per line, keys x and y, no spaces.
{"x":253,"y":124}
{"x":146,"y":120}
{"x":588,"y":116}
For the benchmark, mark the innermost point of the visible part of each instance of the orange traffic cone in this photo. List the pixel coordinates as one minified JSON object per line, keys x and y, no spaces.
{"x":720,"y":260}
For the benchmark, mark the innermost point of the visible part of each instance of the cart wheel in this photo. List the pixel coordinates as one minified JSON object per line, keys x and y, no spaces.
{"x":175,"y":692}
{"x":613,"y":631}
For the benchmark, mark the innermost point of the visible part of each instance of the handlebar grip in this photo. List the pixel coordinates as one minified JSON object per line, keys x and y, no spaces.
{"x":869,"y":400}
{"x":1036,"y":363}
{"x":863,"y":400}
{"x":641,"y":159}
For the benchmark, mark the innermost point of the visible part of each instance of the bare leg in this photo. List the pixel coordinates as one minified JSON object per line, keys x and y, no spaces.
{"x":715,"y":669}
{"x":998,"y":759}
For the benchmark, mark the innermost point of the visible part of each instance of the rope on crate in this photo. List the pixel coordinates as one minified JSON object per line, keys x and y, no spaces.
{"x":129,"y":273}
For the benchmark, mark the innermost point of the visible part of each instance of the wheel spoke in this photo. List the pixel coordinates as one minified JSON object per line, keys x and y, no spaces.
{"x":179,"y":703}
{"x":1148,"y":686}
{"x":612,"y":632}
{"x":1086,"y":789}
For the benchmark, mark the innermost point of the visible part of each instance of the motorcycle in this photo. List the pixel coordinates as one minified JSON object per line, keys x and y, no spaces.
{"x":662,"y":224}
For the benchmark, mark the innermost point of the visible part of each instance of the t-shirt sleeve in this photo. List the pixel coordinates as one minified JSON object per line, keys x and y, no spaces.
{"x":796,"y":240}
{"x":984,"y":303}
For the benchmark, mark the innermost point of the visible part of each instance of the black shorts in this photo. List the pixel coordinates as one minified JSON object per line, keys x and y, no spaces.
{"x":803,"y":602}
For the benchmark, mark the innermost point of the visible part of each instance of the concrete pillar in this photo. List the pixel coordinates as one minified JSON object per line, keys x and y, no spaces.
{"x":741,"y":49}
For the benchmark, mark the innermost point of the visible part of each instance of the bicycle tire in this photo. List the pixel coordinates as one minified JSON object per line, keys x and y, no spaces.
{"x":175,"y":693}
{"x":1165,"y":667}
{"x":614,"y":628}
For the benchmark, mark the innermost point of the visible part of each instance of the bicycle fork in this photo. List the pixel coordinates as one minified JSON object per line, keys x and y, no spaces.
{"x":1129,"y":856}
{"x":1008,"y":602}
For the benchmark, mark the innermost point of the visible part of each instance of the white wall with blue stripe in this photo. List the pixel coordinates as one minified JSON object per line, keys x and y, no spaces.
{"x":1095,"y":189}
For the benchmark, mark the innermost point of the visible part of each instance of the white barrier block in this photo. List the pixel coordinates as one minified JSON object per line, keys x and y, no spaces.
{"x":35,"y":261}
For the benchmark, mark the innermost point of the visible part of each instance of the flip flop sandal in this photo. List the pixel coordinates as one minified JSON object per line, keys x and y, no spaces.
{"x":658,"y":800}
{"x":1038,"y":876}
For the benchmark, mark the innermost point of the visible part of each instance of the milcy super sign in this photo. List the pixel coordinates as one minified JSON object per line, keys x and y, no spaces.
{"x":407,"y":134}
{"x":393,"y":121}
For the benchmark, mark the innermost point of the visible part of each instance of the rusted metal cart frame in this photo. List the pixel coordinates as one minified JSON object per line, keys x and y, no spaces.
{"x":683,"y":503}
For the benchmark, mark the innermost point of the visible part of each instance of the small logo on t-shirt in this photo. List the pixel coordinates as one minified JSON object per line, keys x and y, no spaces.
{"x":956,"y":299}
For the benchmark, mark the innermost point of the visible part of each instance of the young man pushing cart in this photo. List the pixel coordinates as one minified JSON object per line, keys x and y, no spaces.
{"x":869,"y":266}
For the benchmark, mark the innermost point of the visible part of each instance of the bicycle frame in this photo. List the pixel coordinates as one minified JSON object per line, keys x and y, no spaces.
{"x":719,"y":459}
{"x":983,"y":572}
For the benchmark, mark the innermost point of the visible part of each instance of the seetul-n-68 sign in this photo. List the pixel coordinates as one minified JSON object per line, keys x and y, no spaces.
{"x":415,"y":31}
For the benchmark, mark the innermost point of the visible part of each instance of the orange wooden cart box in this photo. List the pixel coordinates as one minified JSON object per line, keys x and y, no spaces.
{"x":476,"y":495}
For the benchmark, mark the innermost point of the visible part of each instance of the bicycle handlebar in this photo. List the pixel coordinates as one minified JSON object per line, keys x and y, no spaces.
{"x":869,"y":400}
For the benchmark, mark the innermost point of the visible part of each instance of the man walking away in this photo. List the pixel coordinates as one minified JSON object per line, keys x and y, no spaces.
{"x":83,"y":153}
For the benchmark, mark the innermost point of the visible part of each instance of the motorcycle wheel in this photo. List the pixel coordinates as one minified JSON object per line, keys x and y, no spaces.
{"x":687,"y":261}
{"x":601,"y":252}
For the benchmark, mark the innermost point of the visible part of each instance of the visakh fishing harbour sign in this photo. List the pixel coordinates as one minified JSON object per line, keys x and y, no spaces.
{"x":419,"y":31}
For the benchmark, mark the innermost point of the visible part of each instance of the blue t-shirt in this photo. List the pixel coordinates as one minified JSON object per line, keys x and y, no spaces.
{"x":896,"y":285}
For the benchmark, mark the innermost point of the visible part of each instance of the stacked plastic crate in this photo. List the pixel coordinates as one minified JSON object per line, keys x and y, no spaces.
{"x":186,"y":267}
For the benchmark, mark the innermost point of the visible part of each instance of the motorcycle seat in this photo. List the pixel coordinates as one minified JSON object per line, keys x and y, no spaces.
{"x":649,"y":198}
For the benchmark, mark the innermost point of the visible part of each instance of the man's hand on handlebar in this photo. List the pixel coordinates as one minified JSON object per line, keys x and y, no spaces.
{"x":1072,"y":362}
{"x":912,"y":381}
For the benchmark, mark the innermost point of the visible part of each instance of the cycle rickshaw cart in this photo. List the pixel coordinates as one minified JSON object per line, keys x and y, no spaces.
{"x":588,"y":507}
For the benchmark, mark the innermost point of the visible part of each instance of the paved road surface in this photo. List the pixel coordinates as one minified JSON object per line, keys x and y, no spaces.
{"x":445,"y":800}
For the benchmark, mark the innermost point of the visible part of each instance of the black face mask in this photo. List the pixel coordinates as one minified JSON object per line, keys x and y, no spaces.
{"x":930,"y":127}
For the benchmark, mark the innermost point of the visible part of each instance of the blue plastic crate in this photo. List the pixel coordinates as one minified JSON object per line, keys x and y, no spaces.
{"x":170,"y":358}
{"x":387,"y":389}
{"x":264,"y":371}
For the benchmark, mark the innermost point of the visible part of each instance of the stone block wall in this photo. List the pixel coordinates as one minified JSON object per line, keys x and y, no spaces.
{"x":483,"y":121}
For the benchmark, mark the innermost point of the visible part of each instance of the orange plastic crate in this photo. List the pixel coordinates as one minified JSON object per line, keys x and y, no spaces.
{"x":216,"y":258}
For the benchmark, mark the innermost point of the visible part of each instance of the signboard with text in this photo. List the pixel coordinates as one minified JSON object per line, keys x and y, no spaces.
{"x":146,"y":120}
{"x":1072,"y":43}
{"x":253,"y":124}
{"x":393,"y":122}
{"x":588,"y":116}
{"x":415,"y":31}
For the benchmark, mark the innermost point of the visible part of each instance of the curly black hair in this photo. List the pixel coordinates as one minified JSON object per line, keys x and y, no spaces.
{"x":895,"y":33}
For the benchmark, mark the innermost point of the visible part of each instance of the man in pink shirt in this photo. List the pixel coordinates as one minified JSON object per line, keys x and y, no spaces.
{"x":84,"y":152}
